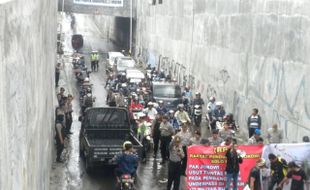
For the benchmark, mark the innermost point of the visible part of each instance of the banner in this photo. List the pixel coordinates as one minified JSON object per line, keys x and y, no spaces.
{"x":105,"y":3}
{"x":299,"y":153}
{"x":206,"y":166}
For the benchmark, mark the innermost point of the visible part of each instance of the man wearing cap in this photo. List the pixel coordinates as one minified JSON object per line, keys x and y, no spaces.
{"x":253,"y":140}
{"x":254,"y":122}
{"x":150,"y":110}
{"x":181,"y":115}
{"x":185,"y":136}
{"x":166,"y":132}
{"x":215,"y":140}
{"x":255,"y":177}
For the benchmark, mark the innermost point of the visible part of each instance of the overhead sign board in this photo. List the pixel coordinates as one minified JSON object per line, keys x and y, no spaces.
{"x":105,"y":3}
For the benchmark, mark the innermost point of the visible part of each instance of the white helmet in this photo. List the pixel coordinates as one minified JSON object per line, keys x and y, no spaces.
{"x":150,"y":104}
{"x":86,"y":79}
{"x":212,"y":98}
{"x":219,"y":103}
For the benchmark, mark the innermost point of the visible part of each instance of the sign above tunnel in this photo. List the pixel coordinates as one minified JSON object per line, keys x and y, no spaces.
{"x":105,"y":3}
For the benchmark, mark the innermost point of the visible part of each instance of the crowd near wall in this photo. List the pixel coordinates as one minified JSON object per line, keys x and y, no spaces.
{"x":247,"y":53}
{"x":27,"y":54}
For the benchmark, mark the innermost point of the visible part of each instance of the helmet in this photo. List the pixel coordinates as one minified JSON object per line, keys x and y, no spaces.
{"x":160,"y":102}
{"x":123,"y":85}
{"x":181,"y":106}
{"x":258,"y":132}
{"x":86,"y":79}
{"x":171,"y":111}
{"x":150,"y":104}
{"x":88,"y":94}
{"x":212,"y":98}
{"x":219,"y":103}
{"x":197,"y":93}
{"x":136,"y":98}
{"x":127,"y":144}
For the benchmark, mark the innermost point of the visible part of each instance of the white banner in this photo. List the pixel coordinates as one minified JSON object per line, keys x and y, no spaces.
{"x":106,"y":3}
{"x":299,"y":153}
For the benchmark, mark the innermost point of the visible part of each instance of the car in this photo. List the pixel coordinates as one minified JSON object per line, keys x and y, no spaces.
{"x":124,"y":63}
{"x":112,"y":58}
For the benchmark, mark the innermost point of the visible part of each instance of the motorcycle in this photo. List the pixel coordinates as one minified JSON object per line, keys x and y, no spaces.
{"x":197,"y":114}
{"x":126,"y":182}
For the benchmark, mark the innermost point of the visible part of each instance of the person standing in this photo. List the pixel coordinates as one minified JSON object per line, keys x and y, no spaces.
{"x":278,"y":167}
{"x":255,"y":177}
{"x":275,"y":135}
{"x":57,"y":73}
{"x":232,"y":166}
{"x":69,"y":111}
{"x":97,"y":61}
{"x":166,"y":132}
{"x":195,"y":140}
{"x":156,"y":133}
{"x":297,"y":175}
{"x":60,"y":132}
{"x":254,"y":122}
{"x":93,"y":61}
{"x":225,"y":131}
{"x":61,"y":96}
{"x":174,"y":167}
{"x":185,"y":136}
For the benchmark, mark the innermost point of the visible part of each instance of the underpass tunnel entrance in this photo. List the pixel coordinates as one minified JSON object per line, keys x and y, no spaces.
{"x":122,"y":32}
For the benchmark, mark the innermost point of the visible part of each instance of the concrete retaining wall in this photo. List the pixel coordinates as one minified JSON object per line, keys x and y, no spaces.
{"x":27,"y":54}
{"x":248,"y":53}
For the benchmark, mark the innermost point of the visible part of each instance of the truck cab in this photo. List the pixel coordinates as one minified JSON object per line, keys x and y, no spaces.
{"x":170,"y":93}
{"x":103,"y":132}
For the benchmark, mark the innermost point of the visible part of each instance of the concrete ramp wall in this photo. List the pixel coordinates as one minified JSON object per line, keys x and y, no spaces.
{"x":248,"y":53}
{"x":27,"y":56}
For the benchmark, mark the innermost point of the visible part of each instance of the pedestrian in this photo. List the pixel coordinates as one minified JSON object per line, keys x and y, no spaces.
{"x":254,"y":180}
{"x":226,"y":131}
{"x":185,"y":136}
{"x":57,"y":73}
{"x":232,"y":166}
{"x":174,"y":167}
{"x":215,"y":140}
{"x":156,"y":133}
{"x":61,"y":95}
{"x":255,"y":137}
{"x":60,"y":133}
{"x":278,"y":167}
{"x":166,"y":132}
{"x":93,"y":61}
{"x":274,"y":134}
{"x":297,"y":175}
{"x":195,"y":140}
{"x":69,"y":111}
{"x":254,"y":122}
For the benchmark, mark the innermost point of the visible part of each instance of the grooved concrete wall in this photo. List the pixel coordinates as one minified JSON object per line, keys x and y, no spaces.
{"x":27,"y":54}
{"x":248,"y":53}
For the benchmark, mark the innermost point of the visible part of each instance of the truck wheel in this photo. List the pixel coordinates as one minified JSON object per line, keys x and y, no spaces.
{"x":88,"y":166}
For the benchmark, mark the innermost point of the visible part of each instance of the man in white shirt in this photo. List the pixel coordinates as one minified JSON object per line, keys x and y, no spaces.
{"x":275,"y":135}
{"x":150,"y":111}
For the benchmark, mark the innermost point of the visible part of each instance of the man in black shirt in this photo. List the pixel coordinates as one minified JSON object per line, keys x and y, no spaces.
{"x":232,"y":166}
{"x":254,"y":180}
{"x":297,"y":175}
{"x":278,"y":167}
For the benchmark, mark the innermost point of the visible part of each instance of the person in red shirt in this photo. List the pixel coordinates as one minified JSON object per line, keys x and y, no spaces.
{"x":135,"y":105}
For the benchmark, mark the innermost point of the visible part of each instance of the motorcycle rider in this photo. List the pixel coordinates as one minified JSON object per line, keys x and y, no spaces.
{"x":135,"y":104}
{"x":120,"y":99}
{"x":166,"y":132}
{"x":87,"y":102}
{"x":150,"y":111}
{"x":181,"y":115}
{"x":198,"y":100}
{"x":161,"y":109}
{"x":173,"y":121}
{"x":143,"y":132}
{"x":127,"y":161}
{"x":211,"y":105}
{"x":188,"y":94}
{"x":218,"y":115}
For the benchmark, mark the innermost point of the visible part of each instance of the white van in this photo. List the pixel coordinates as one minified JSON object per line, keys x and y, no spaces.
{"x":111,"y":60}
